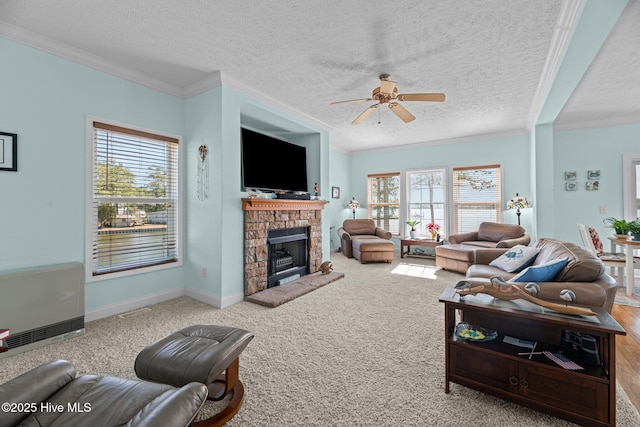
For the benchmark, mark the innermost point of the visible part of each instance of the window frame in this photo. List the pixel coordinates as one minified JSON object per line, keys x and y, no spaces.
{"x":398,"y":205}
{"x":89,"y":223}
{"x":629,"y":186}
{"x":444,"y":227}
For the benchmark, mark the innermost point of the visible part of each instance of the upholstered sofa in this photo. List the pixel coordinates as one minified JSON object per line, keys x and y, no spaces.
{"x":583,"y":273}
{"x":363,"y":240}
{"x":460,"y":252}
{"x":52,"y":395}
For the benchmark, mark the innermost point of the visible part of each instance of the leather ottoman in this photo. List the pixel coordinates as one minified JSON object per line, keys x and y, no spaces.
{"x":207,"y":354}
{"x":372,"y":249}
{"x":456,"y":257}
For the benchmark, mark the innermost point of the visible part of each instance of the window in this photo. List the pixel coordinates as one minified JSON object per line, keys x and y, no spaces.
{"x":133,"y":217}
{"x":426,"y":199}
{"x":384,"y":201}
{"x":477,"y":197}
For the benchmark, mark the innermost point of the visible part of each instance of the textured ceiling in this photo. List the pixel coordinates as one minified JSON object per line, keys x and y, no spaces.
{"x":487,"y":56}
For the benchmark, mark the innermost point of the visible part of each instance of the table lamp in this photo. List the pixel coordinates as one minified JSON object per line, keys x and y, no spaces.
{"x":353,"y":205}
{"x":518,"y":202}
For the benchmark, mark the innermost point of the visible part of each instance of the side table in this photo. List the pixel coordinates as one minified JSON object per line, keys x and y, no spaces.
{"x":417,"y":242}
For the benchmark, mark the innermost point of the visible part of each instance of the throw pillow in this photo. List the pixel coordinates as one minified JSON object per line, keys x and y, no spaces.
{"x":516,"y":258}
{"x":541,"y":273}
{"x":597,"y":243}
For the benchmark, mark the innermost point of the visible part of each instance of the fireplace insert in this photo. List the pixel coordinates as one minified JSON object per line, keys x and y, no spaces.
{"x":288,"y":255}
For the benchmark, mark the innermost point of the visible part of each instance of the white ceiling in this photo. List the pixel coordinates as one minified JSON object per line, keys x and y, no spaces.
{"x":488,"y":56}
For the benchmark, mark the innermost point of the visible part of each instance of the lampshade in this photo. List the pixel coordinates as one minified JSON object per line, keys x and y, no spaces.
{"x":519,"y":202}
{"x":353,"y":204}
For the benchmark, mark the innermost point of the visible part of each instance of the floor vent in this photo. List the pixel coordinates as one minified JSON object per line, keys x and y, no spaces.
{"x":134,"y":313}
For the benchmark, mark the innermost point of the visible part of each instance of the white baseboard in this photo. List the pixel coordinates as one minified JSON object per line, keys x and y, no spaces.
{"x":214,"y":300}
{"x":129,"y":305}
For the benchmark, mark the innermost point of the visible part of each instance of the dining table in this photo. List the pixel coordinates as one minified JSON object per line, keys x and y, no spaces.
{"x":628,"y":246}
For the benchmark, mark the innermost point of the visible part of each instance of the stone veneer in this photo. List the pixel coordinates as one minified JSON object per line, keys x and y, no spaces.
{"x":262,"y":215}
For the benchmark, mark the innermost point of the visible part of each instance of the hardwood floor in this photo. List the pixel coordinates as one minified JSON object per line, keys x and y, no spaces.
{"x":628,"y":351}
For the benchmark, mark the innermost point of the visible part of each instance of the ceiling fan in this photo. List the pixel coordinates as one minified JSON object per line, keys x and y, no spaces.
{"x":387,"y":93}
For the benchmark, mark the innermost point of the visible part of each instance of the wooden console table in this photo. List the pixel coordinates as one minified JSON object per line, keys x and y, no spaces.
{"x":417,"y":242}
{"x":586,"y":396}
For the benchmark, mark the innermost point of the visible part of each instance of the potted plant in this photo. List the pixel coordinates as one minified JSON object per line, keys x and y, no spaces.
{"x":413,"y":231}
{"x":433,"y":229}
{"x":620,"y":226}
{"x":634,"y":229}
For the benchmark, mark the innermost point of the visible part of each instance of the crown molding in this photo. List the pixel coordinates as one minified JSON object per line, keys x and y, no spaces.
{"x":82,"y":57}
{"x":586,"y":123}
{"x":227,"y":80}
{"x":569,"y":13}
{"x":212,"y":80}
{"x":458,"y":140}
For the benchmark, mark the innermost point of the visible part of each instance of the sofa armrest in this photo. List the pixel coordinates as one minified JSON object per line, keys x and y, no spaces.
{"x":172,"y":408}
{"x":509,"y":243}
{"x":462,"y":237}
{"x":345,"y":242}
{"x":380,"y":232}
{"x":34,"y":386}
{"x":485,"y":256}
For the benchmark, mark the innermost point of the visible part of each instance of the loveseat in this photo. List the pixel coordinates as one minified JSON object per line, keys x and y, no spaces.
{"x":558,"y":265}
{"x":363,"y":240}
{"x":52,"y":395}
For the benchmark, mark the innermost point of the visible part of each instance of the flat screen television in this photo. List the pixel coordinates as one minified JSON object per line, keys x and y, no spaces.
{"x":272,"y":164}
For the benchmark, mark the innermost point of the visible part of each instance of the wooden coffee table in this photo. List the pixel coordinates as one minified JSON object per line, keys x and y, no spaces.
{"x":417,"y":242}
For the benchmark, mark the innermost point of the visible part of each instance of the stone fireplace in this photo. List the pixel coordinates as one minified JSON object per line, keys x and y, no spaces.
{"x":264,"y":215}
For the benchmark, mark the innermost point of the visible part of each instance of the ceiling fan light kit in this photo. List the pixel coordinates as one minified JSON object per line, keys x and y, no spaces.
{"x":387,"y":93}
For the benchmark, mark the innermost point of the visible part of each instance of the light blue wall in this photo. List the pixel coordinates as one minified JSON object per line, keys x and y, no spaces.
{"x":590,"y":149}
{"x":42,"y":212}
{"x":45,"y":101}
{"x":339,"y":177}
{"x":512,"y":152}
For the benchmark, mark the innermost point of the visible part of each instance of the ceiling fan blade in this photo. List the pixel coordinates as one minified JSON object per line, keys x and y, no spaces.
{"x":364,"y":114}
{"x":401,"y":112}
{"x":435,"y":97}
{"x":351,"y":100}
{"x":387,"y":86}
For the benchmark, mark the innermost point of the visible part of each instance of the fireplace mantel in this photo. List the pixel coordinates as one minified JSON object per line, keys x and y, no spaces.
{"x":255,"y":204}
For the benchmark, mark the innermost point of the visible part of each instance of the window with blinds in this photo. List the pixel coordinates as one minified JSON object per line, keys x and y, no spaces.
{"x":477,"y":197}
{"x":384,"y":201}
{"x":134,"y":206}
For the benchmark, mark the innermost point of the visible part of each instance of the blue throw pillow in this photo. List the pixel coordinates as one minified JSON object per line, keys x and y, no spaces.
{"x":516,"y":258}
{"x":541,"y":273}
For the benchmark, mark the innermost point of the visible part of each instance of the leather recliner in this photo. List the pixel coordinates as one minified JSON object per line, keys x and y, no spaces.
{"x":51,"y":395}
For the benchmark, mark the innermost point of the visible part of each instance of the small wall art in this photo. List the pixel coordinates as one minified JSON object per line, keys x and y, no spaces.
{"x":593,"y":175}
{"x":8,"y":152}
{"x":335,"y":192}
{"x":593,"y":185}
{"x":570,"y":175}
{"x":571,"y":186}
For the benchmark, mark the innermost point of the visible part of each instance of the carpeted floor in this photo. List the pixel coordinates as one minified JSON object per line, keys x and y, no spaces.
{"x":365,"y":350}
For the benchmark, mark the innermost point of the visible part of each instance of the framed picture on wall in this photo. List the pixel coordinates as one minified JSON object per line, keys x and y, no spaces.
{"x":594,"y":174}
{"x":335,"y":192}
{"x":571,"y":186}
{"x":593,"y":185}
{"x":570,"y":176}
{"x":8,"y":152}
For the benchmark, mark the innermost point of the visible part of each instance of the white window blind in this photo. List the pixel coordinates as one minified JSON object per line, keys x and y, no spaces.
{"x":477,"y":196}
{"x":384,"y":201}
{"x":135,"y":199}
